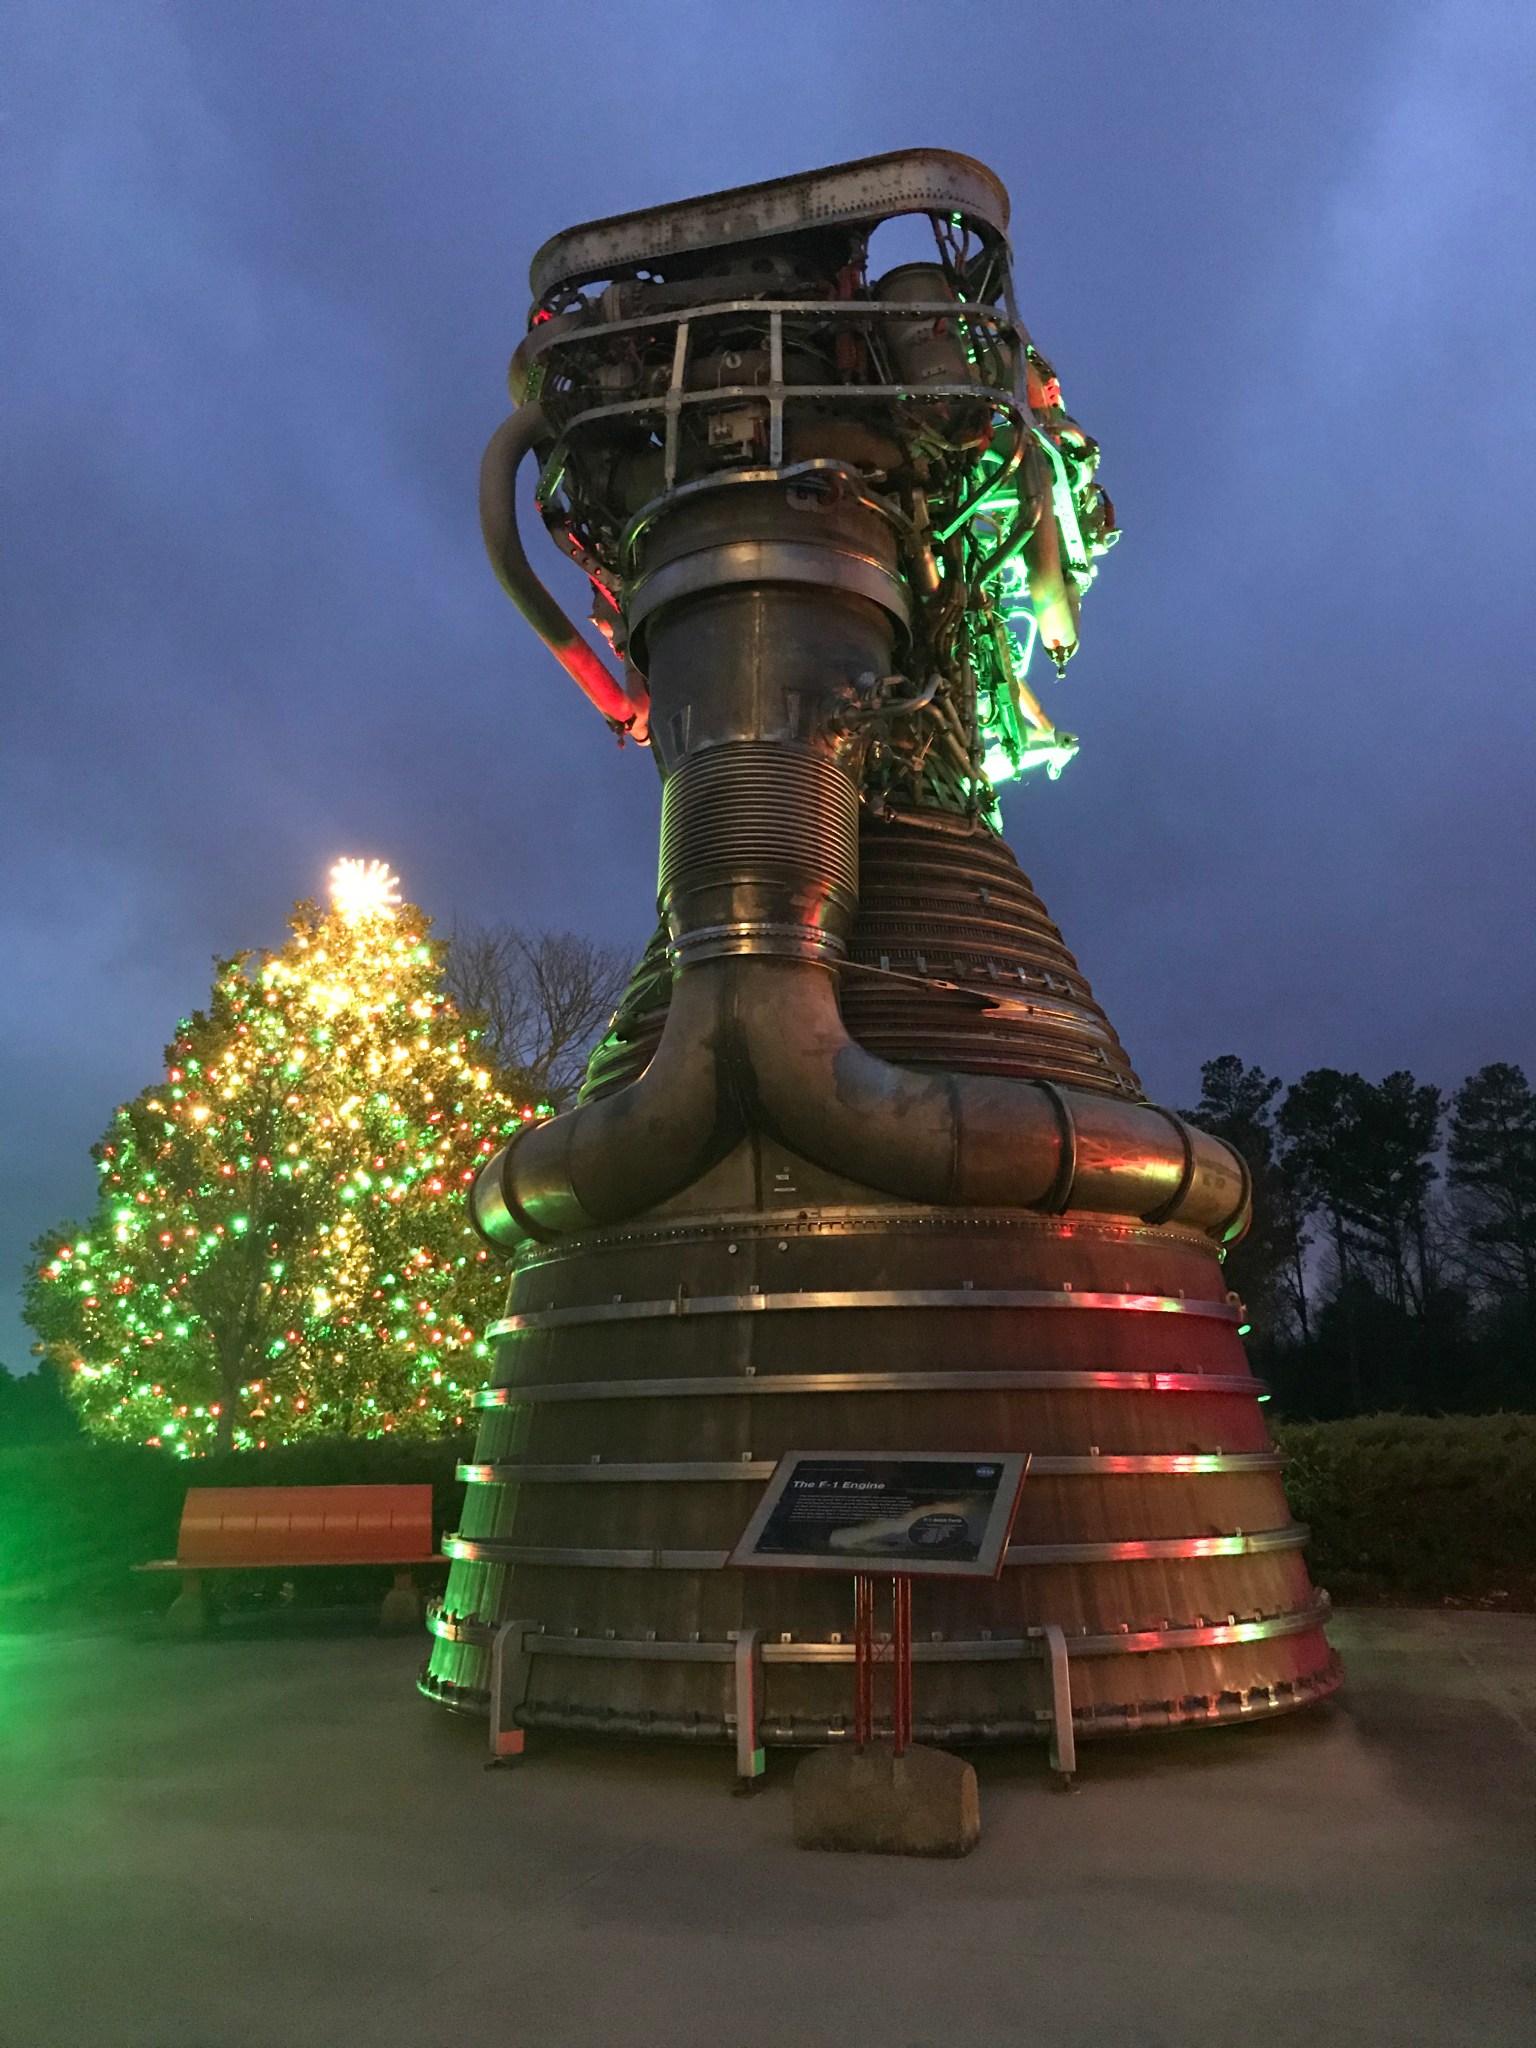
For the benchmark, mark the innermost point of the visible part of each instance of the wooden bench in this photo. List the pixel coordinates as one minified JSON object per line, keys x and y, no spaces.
{"x":265,"y":1528}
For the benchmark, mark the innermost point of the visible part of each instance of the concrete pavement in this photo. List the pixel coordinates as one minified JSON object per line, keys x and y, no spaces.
{"x":273,"y":1843}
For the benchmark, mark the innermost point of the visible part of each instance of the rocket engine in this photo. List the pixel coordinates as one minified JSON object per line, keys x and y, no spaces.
{"x":861,"y":1164}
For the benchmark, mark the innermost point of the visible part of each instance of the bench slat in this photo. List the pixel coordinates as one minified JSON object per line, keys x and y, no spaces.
{"x":299,"y":1525}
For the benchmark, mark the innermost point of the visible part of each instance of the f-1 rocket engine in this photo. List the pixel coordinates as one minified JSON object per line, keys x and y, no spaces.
{"x":861,"y":1164}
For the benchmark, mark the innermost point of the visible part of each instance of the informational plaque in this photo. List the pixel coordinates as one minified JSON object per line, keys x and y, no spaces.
{"x":939,"y":1513}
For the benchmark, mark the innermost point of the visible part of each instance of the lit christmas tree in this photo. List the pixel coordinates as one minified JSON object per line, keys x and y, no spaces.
{"x":281,"y":1248}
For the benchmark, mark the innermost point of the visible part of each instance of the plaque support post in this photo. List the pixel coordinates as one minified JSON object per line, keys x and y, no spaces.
{"x":867,"y":1652}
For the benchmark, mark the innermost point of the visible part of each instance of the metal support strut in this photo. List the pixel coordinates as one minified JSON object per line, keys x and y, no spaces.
{"x":1063,"y":1741}
{"x":748,"y":1664}
{"x":509,"y":1685}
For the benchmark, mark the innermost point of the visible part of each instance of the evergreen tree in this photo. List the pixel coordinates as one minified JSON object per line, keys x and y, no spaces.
{"x":280,"y":1247}
{"x":1492,"y":1153}
{"x":1403,"y":1136}
{"x":1361,"y":1155}
{"x":1266,"y":1267}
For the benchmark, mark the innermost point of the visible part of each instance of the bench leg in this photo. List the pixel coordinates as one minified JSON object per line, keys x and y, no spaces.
{"x":402,"y":1607}
{"x":187,"y":1615}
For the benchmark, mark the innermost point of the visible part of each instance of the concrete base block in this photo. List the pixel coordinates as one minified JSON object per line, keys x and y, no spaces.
{"x":402,"y":1608}
{"x":923,"y":1803}
{"x":187,"y":1614}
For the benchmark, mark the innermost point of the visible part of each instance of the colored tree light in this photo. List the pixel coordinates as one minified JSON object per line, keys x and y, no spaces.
{"x":280,"y":1248}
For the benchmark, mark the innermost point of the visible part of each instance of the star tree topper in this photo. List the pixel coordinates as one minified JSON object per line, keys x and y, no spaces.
{"x":363,"y":889}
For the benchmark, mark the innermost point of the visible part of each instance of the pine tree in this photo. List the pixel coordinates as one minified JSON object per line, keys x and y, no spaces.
{"x":1267,"y":1266}
{"x":1493,"y":1168}
{"x":1361,"y":1154}
{"x":280,"y":1248}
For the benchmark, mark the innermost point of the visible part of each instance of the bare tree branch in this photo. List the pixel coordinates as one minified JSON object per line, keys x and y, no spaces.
{"x":542,"y":999}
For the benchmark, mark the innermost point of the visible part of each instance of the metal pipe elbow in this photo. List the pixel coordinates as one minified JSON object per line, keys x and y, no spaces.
{"x":829,"y":1099}
{"x":964,"y":1138}
{"x":772,"y":1026}
{"x":625,"y":1152}
{"x":503,"y":458}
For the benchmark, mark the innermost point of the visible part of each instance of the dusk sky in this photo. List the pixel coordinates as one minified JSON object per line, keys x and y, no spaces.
{"x":265,"y":269}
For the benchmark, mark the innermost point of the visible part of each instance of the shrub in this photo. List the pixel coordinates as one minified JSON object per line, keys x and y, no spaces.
{"x":75,"y":1517}
{"x":1418,"y":1507}
{"x":1405,"y":1507}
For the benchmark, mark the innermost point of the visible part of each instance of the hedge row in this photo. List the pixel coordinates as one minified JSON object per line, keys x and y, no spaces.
{"x":1418,"y":1507}
{"x":1401,"y":1507}
{"x":75,"y":1517}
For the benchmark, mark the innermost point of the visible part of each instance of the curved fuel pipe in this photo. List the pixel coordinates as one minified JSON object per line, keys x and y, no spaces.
{"x":969,"y":1139}
{"x":504,"y":544}
{"x":627,"y":1151}
{"x":762,"y":1039}
{"x":1050,"y":596}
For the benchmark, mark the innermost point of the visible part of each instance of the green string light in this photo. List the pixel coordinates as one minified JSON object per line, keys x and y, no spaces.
{"x":244,"y":1212}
